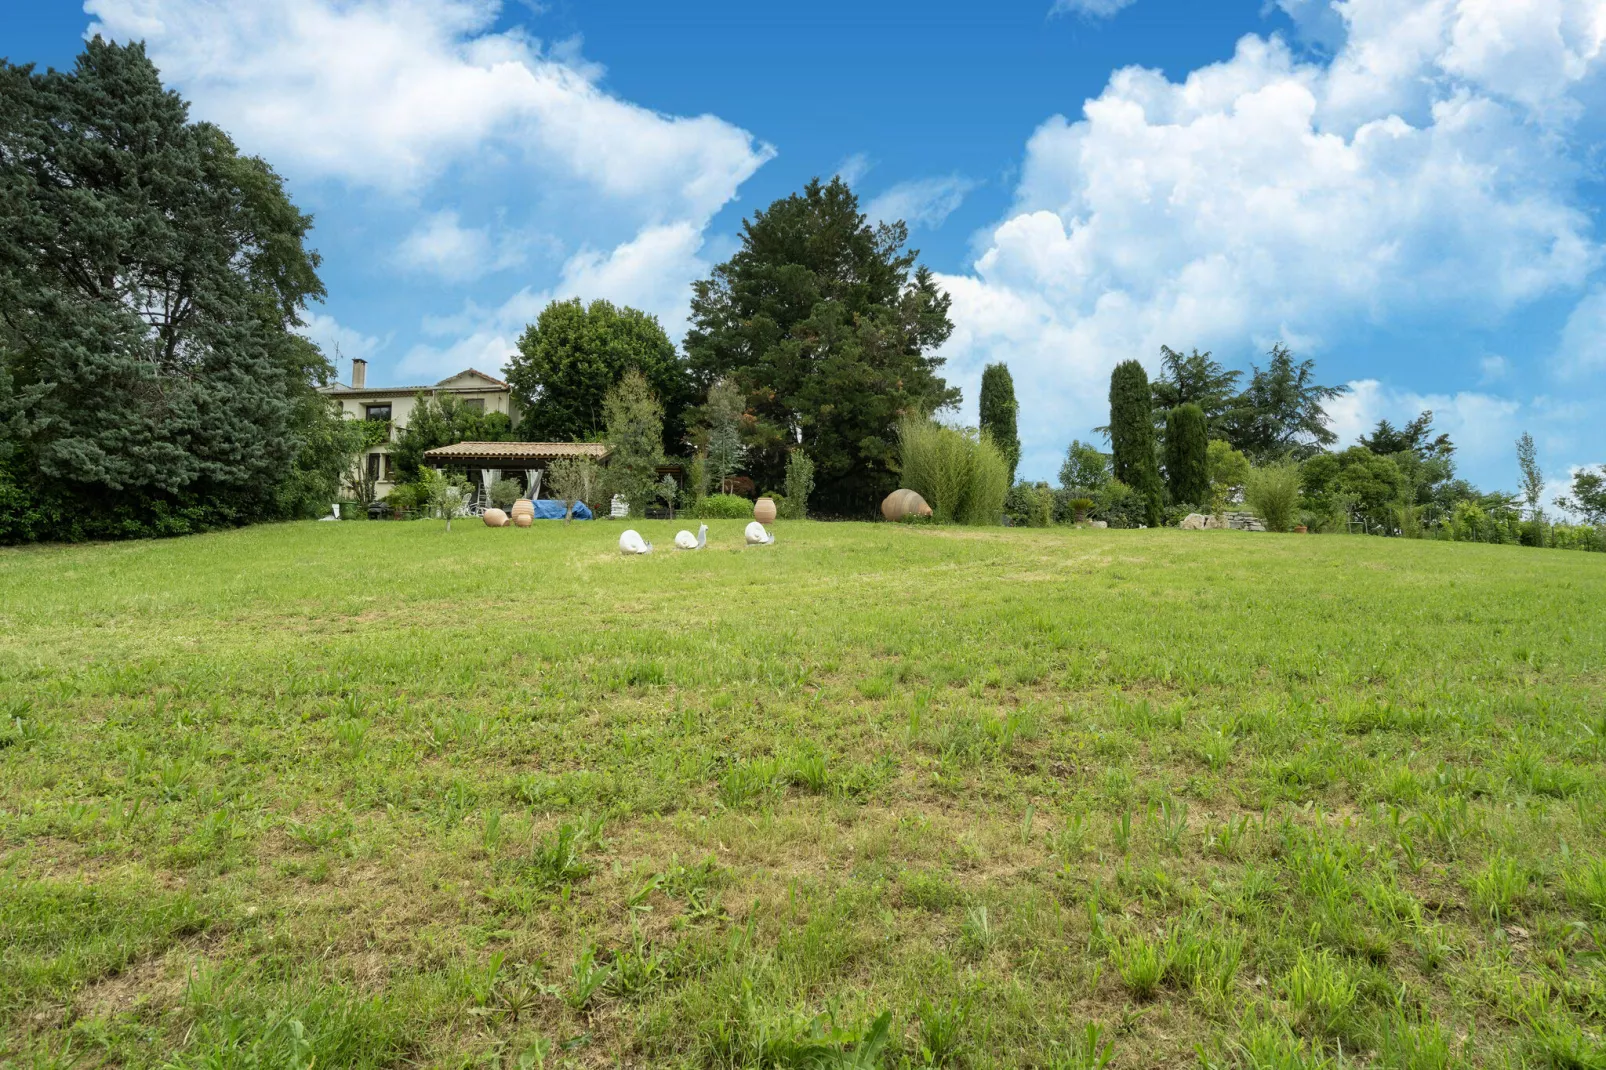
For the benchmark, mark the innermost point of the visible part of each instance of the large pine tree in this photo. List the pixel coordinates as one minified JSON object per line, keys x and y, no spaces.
{"x":1187,"y":462}
{"x":1132,"y":436}
{"x":828,"y":326}
{"x":151,"y":278}
{"x":998,"y":413}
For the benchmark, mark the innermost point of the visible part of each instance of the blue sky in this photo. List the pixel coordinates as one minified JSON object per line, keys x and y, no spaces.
{"x":1405,"y":190}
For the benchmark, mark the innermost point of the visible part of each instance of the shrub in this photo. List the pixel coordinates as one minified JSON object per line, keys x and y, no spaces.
{"x":408,"y":497}
{"x":504,"y":492}
{"x":724,"y":507}
{"x":1119,"y":506}
{"x":1273,"y":493}
{"x":1030,"y":505}
{"x":961,"y":473}
{"x":799,"y":485}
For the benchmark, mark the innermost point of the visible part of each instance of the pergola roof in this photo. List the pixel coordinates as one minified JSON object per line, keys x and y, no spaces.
{"x":513,"y":454}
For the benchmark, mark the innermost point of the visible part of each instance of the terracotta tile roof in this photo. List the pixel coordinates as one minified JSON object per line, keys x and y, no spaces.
{"x":516,"y":451}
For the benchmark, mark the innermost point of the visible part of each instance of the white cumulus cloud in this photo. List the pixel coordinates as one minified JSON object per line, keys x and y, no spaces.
{"x":443,"y":247}
{"x":1093,"y":9}
{"x":1422,"y":171}
{"x":390,"y":93}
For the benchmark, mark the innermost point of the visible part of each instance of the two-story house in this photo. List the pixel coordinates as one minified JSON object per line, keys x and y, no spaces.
{"x":394,"y":404}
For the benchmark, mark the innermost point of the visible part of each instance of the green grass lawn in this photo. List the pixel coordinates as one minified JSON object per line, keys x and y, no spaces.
{"x":374,"y":795}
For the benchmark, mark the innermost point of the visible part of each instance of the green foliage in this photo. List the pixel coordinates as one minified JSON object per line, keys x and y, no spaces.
{"x":635,"y":422}
{"x":1085,"y":470}
{"x":443,"y":420}
{"x":1119,"y":506}
{"x":574,"y":479}
{"x":1272,"y":491}
{"x":830,"y":328}
{"x":447,"y":496}
{"x":574,"y":354}
{"x":1228,"y":471}
{"x":799,"y":484}
{"x":1588,"y":497}
{"x":725,"y":507}
{"x":999,"y":411}
{"x":1132,"y":437}
{"x":1030,"y":505}
{"x":722,"y":417}
{"x":1358,"y":481}
{"x":151,"y":278}
{"x":959,"y":472}
{"x":1187,"y":460}
{"x":1281,"y":413}
{"x":1196,"y":379}
{"x":504,"y":492}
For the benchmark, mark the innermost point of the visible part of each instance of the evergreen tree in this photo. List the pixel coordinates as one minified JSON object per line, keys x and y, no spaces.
{"x":635,"y":428}
{"x":573,"y":354}
{"x":151,"y":279}
{"x":1533,"y":480}
{"x":998,"y":413}
{"x":831,"y":330}
{"x":1132,"y":437}
{"x":1281,"y":413}
{"x":1187,"y":459}
{"x":1199,"y":380}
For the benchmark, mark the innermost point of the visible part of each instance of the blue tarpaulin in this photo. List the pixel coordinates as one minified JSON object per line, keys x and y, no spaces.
{"x":547,"y":509}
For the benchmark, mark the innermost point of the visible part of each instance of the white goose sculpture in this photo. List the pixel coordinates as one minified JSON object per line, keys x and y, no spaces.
{"x":687,"y":541}
{"x":757,"y":536}
{"x":631,"y":542}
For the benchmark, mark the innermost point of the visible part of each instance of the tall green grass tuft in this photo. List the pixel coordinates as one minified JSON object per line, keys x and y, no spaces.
{"x":1273,"y":493}
{"x":961,"y":473}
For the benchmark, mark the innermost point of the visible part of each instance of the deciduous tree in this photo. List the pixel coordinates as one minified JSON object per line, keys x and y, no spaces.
{"x":635,"y":427}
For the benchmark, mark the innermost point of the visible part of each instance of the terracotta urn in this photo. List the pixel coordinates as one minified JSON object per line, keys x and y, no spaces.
{"x":1300,"y":529}
{"x":523,"y":507}
{"x":495,"y":518}
{"x":522,"y":520}
{"x":764,"y":511}
{"x":903,"y":503}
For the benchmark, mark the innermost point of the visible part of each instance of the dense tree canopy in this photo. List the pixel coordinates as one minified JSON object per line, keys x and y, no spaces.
{"x":1187,"y":457}
{"x":1199,"y":380}
{"x":999,"y":411}
{"x":1132,"y":436}
{"x":831,"y":330}
{"x":1281,"y":413}
{"x":1588,"y":497}
{"x":573,"y":354}
{"x":443,"y":420}
{"x":150,"y":281}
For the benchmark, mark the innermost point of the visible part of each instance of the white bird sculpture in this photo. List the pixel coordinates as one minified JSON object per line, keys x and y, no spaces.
{"x":687,"y":541}
{"x":631,"y":542}
{"x":757,"y":536}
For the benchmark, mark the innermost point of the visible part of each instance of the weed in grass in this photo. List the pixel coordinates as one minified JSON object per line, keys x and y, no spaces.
{"x":1499,"y":888}
{"x":942,"y":1027}
{"x":587,"y":978}
{"x":1414,"y":1042}
{"x":1556,"y":1042}
{"x":1122,"y":834}
{"x":747,"y":782}
{"x":322,"y":832}
{"x":1173,"y":824}
{"x":559,"y":858}
{"x":1069,"y":841}
{"x":978,"y":932}
{"x":1088,"y":1051}
{"x":1141,"y":963}
{"x":1321,"y":993}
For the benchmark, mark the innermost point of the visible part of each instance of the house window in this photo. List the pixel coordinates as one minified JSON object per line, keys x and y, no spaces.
{"x":477,"y":404}
{"x":390,"y":469}
{"x":373,"y":466}
{"x":379,"y":412}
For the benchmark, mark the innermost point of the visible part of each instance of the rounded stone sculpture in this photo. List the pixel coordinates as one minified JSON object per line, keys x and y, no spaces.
{"x":904,"y":503}
{"x":523,"y":507}
{"x":495,"y":518}
{"x":522,"y":520}
{"x":764,"y":510}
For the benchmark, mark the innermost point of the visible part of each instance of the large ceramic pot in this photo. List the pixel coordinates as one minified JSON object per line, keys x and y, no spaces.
{"x":523,"y":507}
{"x":764,"y":510}
{"x":495,"y":518}
{"x":904,"y":503}
{"x":522,"y":520}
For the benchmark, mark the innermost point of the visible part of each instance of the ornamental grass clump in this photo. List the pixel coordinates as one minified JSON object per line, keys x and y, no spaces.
{"x":1272,"y":491}
{"x":960,"y":473}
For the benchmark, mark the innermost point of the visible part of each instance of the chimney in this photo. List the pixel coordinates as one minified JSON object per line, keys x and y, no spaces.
{"x":359,"y":373}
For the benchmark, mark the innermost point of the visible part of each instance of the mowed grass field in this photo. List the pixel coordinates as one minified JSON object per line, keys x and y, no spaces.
{"x":374,"y":795}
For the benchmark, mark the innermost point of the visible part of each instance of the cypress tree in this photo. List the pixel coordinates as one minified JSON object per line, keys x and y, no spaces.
{"x":1187,"y":446}
{"x":998,"y":412}
{"x":1132,"y":436}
